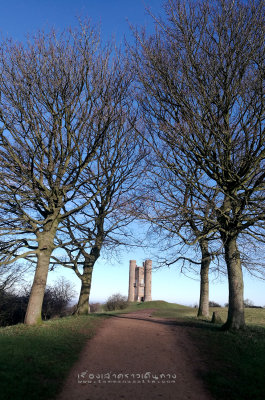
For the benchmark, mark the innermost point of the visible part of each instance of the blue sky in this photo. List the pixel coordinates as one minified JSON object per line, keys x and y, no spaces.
{"x":20,"y":17}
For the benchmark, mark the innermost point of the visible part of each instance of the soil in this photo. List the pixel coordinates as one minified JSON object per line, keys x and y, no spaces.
{"x":140,"y":357}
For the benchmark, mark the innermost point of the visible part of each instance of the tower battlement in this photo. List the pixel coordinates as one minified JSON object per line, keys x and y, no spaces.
{"x":140,"y":281}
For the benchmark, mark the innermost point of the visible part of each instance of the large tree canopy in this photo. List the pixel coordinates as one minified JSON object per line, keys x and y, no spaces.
{"x":61,"y":98}
{"x":181,"y":214}
{"x":202,"y":77}
{"x":103,"y":224}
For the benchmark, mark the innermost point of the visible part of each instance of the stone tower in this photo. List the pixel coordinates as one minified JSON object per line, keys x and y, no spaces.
{"x":140,"y":281}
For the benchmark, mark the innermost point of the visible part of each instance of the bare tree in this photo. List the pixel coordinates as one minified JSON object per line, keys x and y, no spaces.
{"x":60,"y":93}
{"x":104,"y":222}
{"x":202,"y":75}
{"x":178,"y":209}
{"x":57,"y":297}
{"x":10,"y":277}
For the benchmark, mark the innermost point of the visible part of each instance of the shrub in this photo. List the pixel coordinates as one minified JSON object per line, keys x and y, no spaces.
{"x":213,"y":304}
{"x":95,"y":307}
{"x":248,"y":303}
{"x":13,"y":304}
{"x":116,"y":302}
{"x":13,"y":308}
{"x":57,"y":298}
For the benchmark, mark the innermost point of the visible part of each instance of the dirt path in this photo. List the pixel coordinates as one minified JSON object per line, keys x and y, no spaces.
{"x":137,"y":357}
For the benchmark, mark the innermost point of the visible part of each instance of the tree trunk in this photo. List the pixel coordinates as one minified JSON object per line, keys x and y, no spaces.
{"x":46,"y":246}
{"x":203,"y":310}
{"x":83,"y":302}
{"x":33,"y":314}
{"x":236,"y":318}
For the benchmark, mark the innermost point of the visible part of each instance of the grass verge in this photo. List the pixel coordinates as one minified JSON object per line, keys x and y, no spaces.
{"x":235,"y":360}
{"x":34,"y":361}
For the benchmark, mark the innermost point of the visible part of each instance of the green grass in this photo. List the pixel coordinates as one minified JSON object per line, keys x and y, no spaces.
{"x":34,"y":361}
{"x":163,"y":309}
{"x":236,"y":361}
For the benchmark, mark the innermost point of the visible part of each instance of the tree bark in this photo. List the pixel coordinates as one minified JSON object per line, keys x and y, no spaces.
{"x":236,"y":317}
{"x":33,"y":314}
{"x":46,"y":246}
{"x":83,"y":302}
{"x":203,"y":310}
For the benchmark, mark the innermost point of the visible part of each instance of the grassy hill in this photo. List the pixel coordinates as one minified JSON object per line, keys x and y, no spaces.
{"x":35,"y":360}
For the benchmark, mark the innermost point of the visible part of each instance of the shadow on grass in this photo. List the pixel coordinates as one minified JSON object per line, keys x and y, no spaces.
{"x":235,"y":359}
{"x":34,"y":361}
{"x":188,"y":322}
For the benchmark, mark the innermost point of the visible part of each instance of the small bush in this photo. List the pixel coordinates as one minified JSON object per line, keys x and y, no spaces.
{"x":13,"y":308}
{"x":116,"y":302}
{"x":213,"y":304}
{"x":13,"y":305}
{"x":95,"y":307}
{"x":249,"y":304}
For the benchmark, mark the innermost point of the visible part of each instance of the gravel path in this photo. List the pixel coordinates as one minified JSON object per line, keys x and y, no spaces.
{"x":137,"y":357}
